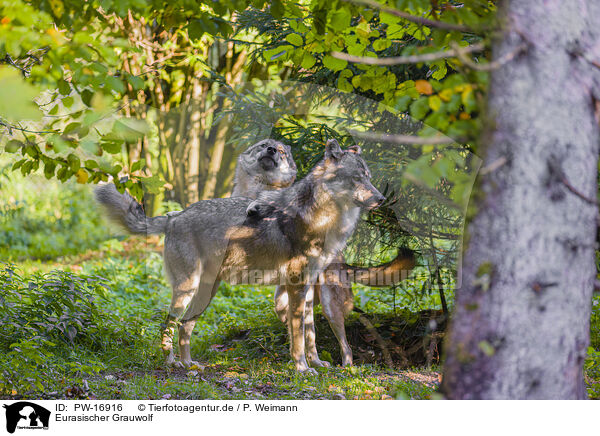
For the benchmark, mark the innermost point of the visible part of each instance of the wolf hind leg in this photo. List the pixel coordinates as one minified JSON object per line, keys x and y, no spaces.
{"x":184,"y":279}
{"x":335,"y":316}
{"x":201,"y":300}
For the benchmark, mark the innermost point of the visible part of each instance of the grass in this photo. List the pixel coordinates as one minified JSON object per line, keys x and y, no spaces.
{"x":115,"y":353}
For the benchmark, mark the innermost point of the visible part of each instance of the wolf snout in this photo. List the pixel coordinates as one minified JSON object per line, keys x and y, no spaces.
{"x":271,"y":150}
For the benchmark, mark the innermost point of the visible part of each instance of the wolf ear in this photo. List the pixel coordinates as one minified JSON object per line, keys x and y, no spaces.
{"x":354,"y":149}
{"x":333,"y":150}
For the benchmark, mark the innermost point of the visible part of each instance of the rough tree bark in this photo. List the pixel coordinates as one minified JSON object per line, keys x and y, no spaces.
{"x":521,"y":322}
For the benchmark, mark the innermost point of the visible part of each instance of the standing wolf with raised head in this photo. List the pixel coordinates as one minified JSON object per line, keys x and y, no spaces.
{"x":264,"y":166}
{"x":293,"y":234}
{"x":255,"y":174}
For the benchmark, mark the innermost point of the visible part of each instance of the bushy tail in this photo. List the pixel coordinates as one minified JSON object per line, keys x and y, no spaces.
{"x":386,"y":274}
{"x":123,"y":209}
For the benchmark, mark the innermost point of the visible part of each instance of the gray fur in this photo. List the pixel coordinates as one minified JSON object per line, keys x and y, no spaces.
{"x":334,"y":291}
{"x":124,"y":210}
{"x":295,"y":233}
{"x":264,"y":166}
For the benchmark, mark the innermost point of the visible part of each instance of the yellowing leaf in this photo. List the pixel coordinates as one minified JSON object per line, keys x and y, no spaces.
{"x":57,"y":7}
{"x":435,"y":102}
{"x":82,"y":175}
{"x":424,"y":87}
{"x":445,"y":94}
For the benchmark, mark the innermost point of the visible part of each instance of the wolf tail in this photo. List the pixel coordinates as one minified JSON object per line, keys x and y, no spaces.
{"x":127,"y":212}
{"x":386,"y":274}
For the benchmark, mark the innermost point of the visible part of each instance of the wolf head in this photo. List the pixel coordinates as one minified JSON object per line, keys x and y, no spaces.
{"x":347,"y":177}
{"x":266,"y":165}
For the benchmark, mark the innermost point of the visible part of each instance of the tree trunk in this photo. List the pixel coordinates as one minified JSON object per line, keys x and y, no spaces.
{"x":193,"y":146}
{"x":521,"y":322}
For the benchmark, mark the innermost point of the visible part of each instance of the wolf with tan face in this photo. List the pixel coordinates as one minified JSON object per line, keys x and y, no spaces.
{"x":334,"y":290}
{"x":294,"y":234}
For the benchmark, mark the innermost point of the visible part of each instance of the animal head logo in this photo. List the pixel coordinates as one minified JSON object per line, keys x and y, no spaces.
{"x":24,"y":414}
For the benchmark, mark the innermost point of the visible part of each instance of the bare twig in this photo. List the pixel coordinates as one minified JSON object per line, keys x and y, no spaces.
{"x":495,"y":64}
{"x":414,"y":59}
{"x":556,"y":168}
{"x":403,"y":139}
{"x":577,"y":192}
{"x":413,"y":18}
{"x":380,"y":341}
{"x":11,"y":127}
{"x":493,"y":166}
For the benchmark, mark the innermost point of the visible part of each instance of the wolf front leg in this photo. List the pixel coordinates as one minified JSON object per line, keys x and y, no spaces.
{"x":295,"y":318}
{"x":309,"y":330}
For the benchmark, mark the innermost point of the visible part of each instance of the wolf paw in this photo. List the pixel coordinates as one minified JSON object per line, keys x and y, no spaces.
{"x":319,"y":363}
{"x":190,"y":363}
{"x":309,"y":371}
{"x":182,"y":364}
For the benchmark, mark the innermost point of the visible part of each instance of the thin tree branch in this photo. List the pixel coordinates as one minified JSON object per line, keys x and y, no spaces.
{"x":556,"y":168}
{"x":413,"y":59}
{"x":493,"y":166}
{"x":493,"y":65}
{"x":413,"y":18}
{"x":403,"y":139}
{"x":11,"y":127}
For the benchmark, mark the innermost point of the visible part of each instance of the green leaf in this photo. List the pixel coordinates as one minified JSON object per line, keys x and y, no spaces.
{"x":13,"y":146}
{"x":86,"y":97}
{"x":381,"y":44}
{"x":137,"y":166}
{"x":195,"y":29}
{"x":71,"y":128}
{"x":340,"y":19}
{"x":74,"y":163}
{"x":419,"y":108}
{"x":136,"y":82}
{"x":111,"y":146}
{"x":294,"y":39}
{"x":63,"y":87}
{"x":152,"y":184}
{"x":115,"y":84}
{"x":274,"y":53}
{"x":308,"y":61}
{"x":334,"y":64}
{"x":277,"y":9}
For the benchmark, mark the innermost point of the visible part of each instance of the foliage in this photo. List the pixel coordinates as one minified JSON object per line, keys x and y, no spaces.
{"x":45,"y":318}
{"x":60,"y":328}
{"x":41,"y":219}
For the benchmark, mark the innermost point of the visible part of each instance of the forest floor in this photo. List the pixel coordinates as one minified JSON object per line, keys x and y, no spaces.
{"x":241,"y":346}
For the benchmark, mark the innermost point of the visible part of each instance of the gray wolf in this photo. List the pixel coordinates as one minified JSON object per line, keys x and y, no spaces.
{"x":290,"y":235}
{"x":334,"y":290}
{"x":264,"y":166}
